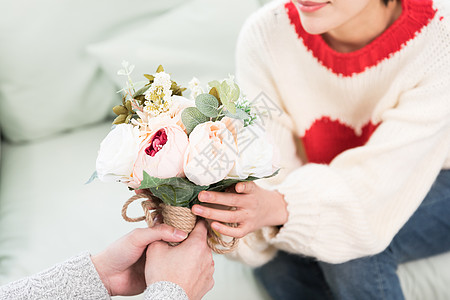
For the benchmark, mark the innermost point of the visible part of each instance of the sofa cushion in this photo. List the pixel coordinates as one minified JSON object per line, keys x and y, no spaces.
{"x":196,"y":39}
{"x":47,"y":82}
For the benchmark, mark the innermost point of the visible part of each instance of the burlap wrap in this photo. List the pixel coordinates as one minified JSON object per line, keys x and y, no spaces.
{"x":179,"y":217}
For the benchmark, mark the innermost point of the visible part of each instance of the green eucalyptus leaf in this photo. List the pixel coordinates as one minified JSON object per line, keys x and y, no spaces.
{"x":228,"y":92}
{"x":231,"y":89}
{"x":240,"y":114}
{"x":191,"y":117}
{"x":215,"y":84}
{"x":207,"y":104}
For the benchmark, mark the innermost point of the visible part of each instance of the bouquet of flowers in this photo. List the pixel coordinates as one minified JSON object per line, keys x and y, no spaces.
{"x":170,"y":148}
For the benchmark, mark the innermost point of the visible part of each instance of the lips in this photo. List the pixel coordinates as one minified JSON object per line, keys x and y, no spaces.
{"x":311,"y":6}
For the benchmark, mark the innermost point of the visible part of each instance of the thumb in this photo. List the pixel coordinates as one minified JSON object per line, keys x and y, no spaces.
{"x":141,"y":237}
{"x":199,"y":233}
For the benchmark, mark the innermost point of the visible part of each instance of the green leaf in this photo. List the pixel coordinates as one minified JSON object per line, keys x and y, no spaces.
{"x":191,"y":117}
{"x":120,"y":119}
{"x":231,"y":89}
{"x":175,"y":191}
{"x":141,"y":91}
{"x":228,"y":92}
{"x":215,"y":84}
{"x":120,"y":110}
{"x":93,"y":177}
{"x":208,"y":105}
{"x":240,"y":114}
{"x":225,"y":183}
{"x":213,"y":91}
{"x":149,"y":77}
{"x":160,"y":69}
{"x":178,"y":191}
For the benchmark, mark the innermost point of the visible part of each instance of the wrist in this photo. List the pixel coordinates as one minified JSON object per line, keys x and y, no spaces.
{"x":97,"y":262}
{"x":278,"y":209}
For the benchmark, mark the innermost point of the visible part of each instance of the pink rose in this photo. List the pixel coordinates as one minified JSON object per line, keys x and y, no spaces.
{"x":211,"y":153}
{"x":161,"y":155}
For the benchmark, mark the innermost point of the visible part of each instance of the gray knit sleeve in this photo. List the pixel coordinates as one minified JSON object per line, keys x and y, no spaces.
{"x":165,"y":290}
{"x":75,"y":279}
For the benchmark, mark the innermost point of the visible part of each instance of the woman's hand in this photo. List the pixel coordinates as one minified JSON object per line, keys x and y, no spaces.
{"x":255,"y":208}
{"x":190,"y":264}
{"x":121,"y":265}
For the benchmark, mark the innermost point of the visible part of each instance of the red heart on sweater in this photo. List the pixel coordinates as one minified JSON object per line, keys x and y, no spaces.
{"x":326,"y":139}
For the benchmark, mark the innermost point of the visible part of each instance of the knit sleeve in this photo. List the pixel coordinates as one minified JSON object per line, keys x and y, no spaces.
{"x":74,"y":279}
{"x":354,"y":206}
{"x":253,"y":72}
{"x":165,"y":290}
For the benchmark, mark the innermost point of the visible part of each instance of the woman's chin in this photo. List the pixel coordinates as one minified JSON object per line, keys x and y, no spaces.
{"x":314,"y":27}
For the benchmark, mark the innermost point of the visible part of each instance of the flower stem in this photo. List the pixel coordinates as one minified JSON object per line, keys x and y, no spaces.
{"x":219,"y":113}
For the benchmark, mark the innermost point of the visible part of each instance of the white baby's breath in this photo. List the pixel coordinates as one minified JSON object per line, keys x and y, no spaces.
{"x":159,"y":95}
{"x":195,"y":88}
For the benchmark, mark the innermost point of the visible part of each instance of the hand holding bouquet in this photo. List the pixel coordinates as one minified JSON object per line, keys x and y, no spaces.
{"x":171,"y":148}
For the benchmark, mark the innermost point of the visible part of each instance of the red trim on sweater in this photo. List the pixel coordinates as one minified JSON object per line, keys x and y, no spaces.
{"x":326,"y":139}
{"x":416,"y":14}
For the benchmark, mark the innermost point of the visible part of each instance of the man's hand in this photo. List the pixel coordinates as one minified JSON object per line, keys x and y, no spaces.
{"x":121,"y":265}
{"x":190,"y":264}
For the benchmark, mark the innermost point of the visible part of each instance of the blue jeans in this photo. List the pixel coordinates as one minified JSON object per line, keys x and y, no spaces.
{"x":426,"y":233}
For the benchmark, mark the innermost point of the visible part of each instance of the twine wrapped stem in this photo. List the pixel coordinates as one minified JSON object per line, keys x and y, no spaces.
{"x":179,"y":217}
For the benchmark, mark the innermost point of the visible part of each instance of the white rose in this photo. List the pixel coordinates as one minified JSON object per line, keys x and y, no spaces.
{"x":117,"y":154}
{"x":211,"y":153}
{"x":257,"y":155}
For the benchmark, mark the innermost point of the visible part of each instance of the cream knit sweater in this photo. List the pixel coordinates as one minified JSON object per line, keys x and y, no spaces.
{"x":77,"y":279}
{"x":375,"y":125}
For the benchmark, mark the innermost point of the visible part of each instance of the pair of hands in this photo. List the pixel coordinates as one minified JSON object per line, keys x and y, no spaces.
{"x":143,"y":257}
{"x":254,"y":208}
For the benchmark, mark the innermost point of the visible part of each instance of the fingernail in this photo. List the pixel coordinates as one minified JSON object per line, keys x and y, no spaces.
{"x":215,"y":226}
{"x":197,"y":209}
{"x":204,"y":196}
{"x":180,"y":234}
{"x":241,"y":187}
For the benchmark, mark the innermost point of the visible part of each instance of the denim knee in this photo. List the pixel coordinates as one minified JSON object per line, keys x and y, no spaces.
{"x":371,"y":277}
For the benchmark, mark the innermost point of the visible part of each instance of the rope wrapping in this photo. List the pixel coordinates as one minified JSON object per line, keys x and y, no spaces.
{"x":179,"y":217}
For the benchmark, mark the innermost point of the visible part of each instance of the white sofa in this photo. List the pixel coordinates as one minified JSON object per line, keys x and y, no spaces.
{"x":57,"y":85}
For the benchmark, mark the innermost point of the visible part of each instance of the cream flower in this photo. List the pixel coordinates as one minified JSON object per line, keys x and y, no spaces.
{"x":117,"y":154}
{"x":257,"y":155}
{"x":211,"y":153}
{"x":159,"y":95}
{"x":195,"y":88}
